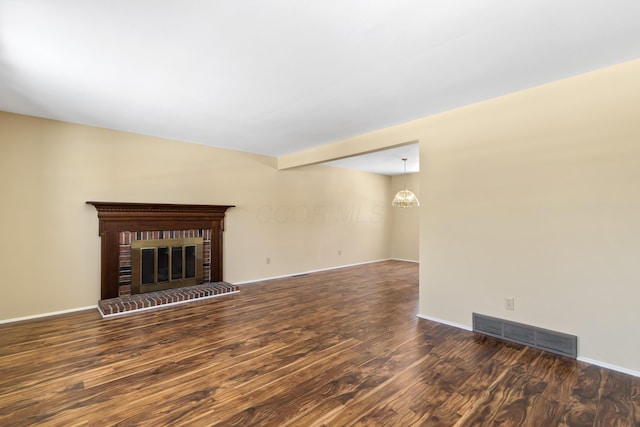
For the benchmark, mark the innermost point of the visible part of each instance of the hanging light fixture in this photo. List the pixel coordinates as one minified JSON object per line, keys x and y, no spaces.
{"x":405,"y":198}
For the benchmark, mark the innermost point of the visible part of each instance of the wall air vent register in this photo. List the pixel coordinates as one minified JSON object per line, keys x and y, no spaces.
{"x":533,"y":336}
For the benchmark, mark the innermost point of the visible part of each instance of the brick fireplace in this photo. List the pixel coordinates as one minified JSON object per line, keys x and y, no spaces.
{"x":182,"y":246}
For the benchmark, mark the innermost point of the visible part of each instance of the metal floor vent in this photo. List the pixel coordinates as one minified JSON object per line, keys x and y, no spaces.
{"x":543,"y":339}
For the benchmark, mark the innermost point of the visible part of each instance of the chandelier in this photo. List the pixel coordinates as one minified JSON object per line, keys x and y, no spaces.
{"x":405,"y":198}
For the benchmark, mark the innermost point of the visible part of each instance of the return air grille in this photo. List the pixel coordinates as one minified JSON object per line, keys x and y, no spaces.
{"x":544,"y":339}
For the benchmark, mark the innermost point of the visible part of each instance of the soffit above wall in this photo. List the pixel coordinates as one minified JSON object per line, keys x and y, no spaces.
{"x":385,"y":162}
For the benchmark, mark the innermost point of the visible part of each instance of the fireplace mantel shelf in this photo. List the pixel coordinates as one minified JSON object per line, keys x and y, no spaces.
{"x":157,"y":207}
{"x":116,"y":217}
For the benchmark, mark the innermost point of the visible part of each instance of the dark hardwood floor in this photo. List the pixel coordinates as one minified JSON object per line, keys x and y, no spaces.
{"x":336,"y":348}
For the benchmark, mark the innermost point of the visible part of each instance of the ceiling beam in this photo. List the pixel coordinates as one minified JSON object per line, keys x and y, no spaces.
{"x":391,"y":137}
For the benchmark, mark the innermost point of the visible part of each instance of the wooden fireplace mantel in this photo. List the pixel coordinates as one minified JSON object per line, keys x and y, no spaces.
{"x":115,"y":217}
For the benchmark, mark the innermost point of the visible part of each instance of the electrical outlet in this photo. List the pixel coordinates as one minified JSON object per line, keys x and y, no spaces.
{"x":268,"y":260}
{"x":509,"y":304}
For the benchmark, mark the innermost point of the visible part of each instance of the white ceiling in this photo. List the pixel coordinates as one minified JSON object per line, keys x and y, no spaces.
{"x":278,"y":76}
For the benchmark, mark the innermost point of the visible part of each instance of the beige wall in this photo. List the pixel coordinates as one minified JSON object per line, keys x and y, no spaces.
{"x":405,"y":222}
{"x":536,"y":196}
{"x":299,"y":218}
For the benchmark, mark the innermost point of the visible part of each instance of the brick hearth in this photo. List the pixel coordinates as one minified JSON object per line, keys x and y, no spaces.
{"x":131,"y":303}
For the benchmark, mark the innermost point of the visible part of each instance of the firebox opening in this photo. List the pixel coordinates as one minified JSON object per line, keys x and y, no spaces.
{"x":165,"y":264}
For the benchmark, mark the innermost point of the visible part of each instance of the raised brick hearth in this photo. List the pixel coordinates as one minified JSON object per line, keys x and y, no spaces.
{"x":132,"y":303}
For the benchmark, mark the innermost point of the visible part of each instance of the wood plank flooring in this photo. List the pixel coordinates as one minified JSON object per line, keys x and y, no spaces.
{"x":335,"y":348}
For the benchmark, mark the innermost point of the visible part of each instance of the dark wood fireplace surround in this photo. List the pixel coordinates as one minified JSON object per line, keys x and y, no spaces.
{"x":115,"y":217}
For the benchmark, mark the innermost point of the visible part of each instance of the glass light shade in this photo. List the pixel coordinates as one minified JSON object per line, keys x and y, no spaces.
{"x":405,"y":199}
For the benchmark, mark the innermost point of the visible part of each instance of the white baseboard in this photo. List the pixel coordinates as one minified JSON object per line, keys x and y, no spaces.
{"x":445,"y":322}
{"x":609,"y":366}
{"x":580,"y":359}
{"x":308,"y":272}
{"x":53,"y":313}
{"x":406,"y":260}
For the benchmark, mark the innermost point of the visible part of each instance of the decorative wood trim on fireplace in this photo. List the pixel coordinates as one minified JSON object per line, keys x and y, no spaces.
{"x":116,"y":217}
